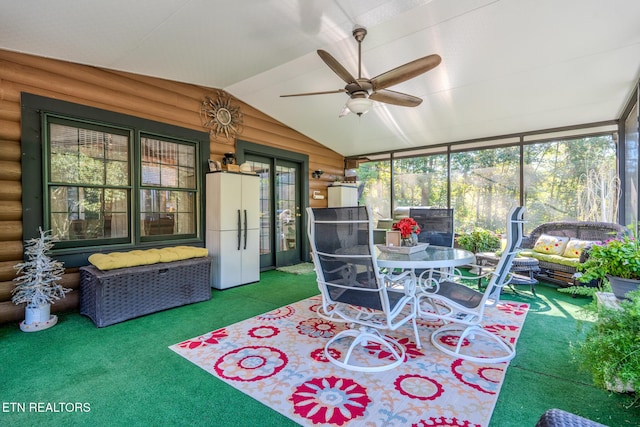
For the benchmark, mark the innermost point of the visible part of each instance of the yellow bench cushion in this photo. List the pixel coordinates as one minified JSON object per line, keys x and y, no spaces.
{"x":136,"y":258}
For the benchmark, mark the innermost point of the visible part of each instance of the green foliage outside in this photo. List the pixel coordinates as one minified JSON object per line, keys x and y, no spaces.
{"x":563,"y":180}
{"x":479,"y":240}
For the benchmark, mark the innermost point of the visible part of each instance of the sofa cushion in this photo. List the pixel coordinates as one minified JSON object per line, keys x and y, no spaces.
{"x":550,"y":245}
{"x":556,"y":259}
{"x":575,"y":247}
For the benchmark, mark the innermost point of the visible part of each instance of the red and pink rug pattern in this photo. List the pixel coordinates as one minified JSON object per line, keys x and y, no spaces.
{"x":277,"y":358}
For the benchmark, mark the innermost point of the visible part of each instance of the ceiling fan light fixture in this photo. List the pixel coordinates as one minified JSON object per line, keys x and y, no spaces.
{"x":359,"y":106}
{"x":360,"y":88}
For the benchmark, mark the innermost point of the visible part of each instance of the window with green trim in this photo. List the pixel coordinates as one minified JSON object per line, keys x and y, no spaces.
{"x":105,"y":181}
{"x":168,"y":187}
{"x":90,"y":184}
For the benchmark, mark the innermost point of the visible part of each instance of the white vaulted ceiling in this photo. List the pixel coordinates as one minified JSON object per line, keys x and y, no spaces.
{"x":507,"y":65}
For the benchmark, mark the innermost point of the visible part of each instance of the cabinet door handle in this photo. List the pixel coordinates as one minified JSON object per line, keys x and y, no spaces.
{"x":239,"y":229}
{"x":245,"y":229}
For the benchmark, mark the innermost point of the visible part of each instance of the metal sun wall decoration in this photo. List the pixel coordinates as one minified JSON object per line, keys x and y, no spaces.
{"x":221,"y":117}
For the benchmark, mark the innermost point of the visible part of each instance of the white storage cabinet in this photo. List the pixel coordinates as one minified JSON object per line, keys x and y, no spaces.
{"x":233,"y":228}
{"x":342,"y":196}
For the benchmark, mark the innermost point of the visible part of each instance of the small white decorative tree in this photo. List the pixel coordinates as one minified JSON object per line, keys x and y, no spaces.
{"x":36,"y":283}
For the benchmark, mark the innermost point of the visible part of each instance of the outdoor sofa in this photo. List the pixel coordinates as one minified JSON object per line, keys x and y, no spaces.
{"x":560,"y":247}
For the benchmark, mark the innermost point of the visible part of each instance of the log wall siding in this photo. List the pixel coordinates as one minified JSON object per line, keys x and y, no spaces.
{"x":141,"y":96}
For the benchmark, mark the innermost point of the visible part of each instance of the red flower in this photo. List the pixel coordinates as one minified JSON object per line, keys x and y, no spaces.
{"x":406,"y":226}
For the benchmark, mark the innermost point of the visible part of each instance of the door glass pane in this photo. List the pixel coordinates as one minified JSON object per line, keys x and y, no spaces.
{"x":263,"y":170}
{"x":286,"y":230}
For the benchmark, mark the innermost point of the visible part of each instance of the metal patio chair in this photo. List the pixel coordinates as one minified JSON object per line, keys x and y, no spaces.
{"x":462,"y":307}
{"x":355,"y":292}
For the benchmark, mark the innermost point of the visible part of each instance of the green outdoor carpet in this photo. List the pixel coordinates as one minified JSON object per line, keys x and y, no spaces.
{"x":128,"y":376}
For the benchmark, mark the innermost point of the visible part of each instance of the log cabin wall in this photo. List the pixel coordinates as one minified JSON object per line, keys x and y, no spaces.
{"x":146,"y":97}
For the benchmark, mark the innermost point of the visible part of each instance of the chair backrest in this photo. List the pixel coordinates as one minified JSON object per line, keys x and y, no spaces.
{"x":514,"y":238}
{"x":436,"y":225}
{"x":342,"y":248}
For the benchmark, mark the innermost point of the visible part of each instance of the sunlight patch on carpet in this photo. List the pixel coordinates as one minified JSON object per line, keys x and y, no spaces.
{"x":277,"y":358}
{"x":302,"y":268}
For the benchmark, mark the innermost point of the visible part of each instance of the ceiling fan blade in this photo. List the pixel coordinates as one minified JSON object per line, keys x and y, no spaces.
{"x":405,"y":72}
{"x":314,"y":93}
{"x":396,"y":98}
{"x":336,"y":67}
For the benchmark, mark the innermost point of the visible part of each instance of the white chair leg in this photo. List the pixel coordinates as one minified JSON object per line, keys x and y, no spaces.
{"x":361,"y":337}
{"x":415,"y":332}
{"x":462,"y":332}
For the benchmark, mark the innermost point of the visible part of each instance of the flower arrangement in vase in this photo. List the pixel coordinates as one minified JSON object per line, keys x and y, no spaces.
{"x":409,"y":230}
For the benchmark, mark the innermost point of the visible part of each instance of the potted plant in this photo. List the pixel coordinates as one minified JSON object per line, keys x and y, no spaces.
{"x":479,"y":240}
{"x":36,"y":283}
{"x":617,"y":260}
{"x":610,"y":351}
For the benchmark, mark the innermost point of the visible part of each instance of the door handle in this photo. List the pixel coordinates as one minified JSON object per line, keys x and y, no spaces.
{"x":239,"y":229}
{"x":245,"y":229}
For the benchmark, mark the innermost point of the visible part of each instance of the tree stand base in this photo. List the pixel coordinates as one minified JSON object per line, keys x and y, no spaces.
{"x":39,"y":326}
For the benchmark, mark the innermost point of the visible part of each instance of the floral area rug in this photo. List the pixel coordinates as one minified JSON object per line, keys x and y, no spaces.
{"x":278,"y":359}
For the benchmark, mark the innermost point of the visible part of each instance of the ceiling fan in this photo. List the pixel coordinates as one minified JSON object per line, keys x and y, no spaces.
{"x":363,"y":91}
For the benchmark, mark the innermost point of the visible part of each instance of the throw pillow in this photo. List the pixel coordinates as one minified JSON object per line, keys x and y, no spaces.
{"x":575,"y":247}
{"x":553,"y":245}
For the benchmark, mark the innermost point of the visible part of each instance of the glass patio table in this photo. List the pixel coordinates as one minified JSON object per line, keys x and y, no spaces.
{"x":433,"y":257}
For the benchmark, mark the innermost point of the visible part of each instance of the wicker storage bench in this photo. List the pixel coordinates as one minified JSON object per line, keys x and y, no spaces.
{"x":112,"y":296}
